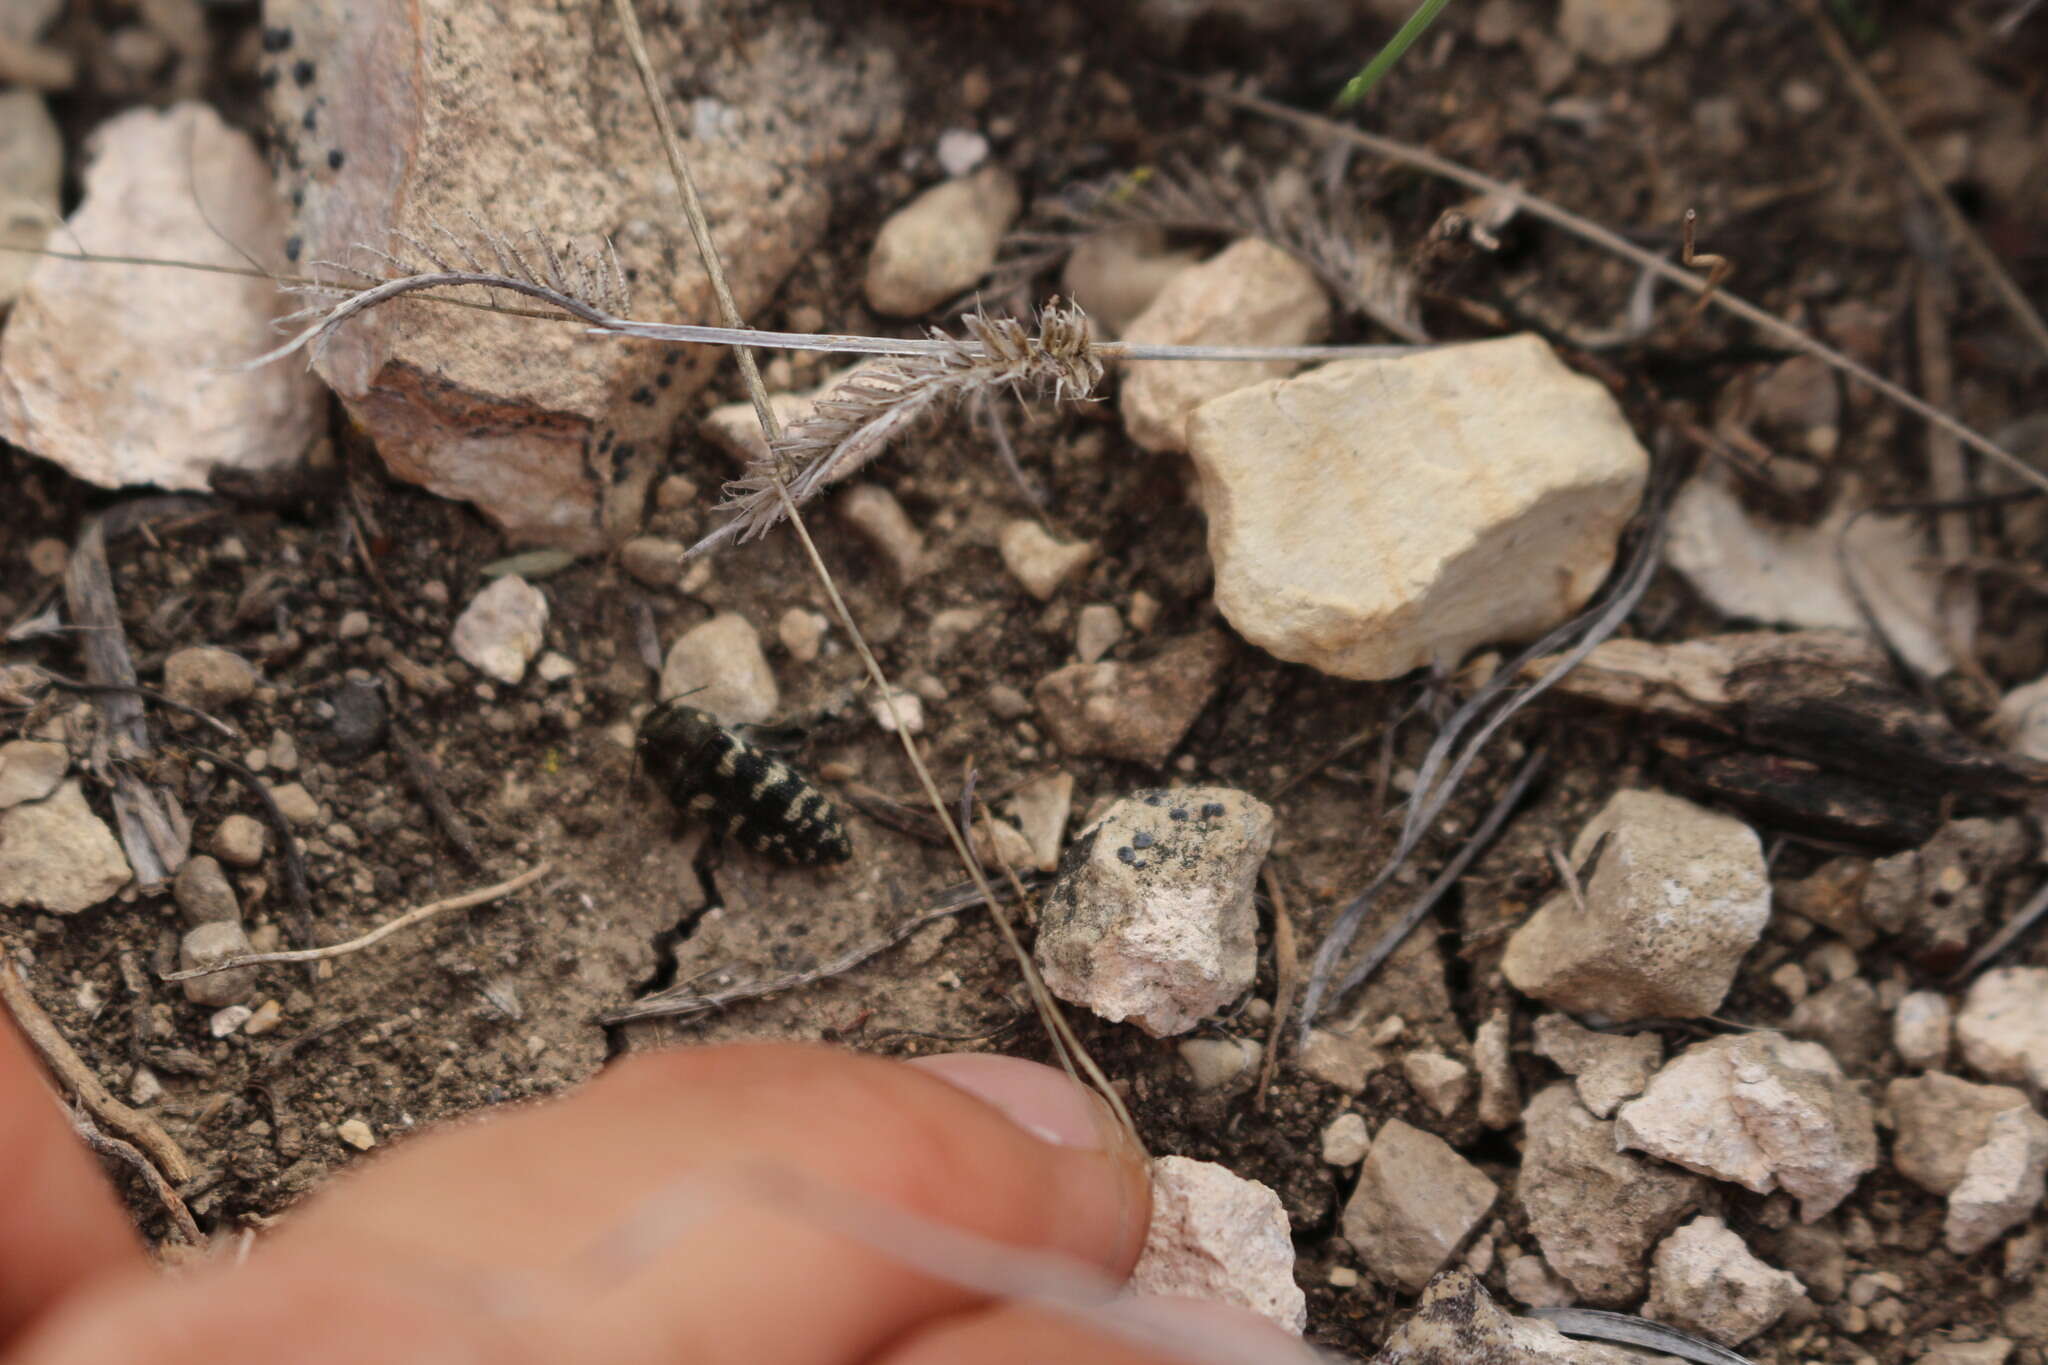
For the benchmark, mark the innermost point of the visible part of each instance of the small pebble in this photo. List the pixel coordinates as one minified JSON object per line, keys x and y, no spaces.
{"x":721,"y":666}
{"x":295,"y":803}
{"x":960,"y":150}
{"x":554,"y":667}
{"x":802,"y":632}
{"x":940,"y":243}
{"x":874,"y":513}
{"x":226,"y":1020}
{"x":1042,"y":564}
{"x":266,"y":1017}
{"x":909,"y":710}
{"x":655,"y":562}
{"x":356,"y":1134}
{"x":1346,"y":1139}
{"x":502,"y":628}
{"x":208,"y":678}
{"x":1096,"y":632}
{"x":206,"y":944}
{"x":354,"y":625}
{"x":203,"y":894}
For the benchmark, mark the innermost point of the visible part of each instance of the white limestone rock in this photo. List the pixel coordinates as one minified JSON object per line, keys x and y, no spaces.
{"x":940,"y":243}
{"x":1346,"y":1139}
{"x":1250,"y":294}
{"x":1762,"y":1111}
{"x":1219,"y":1237}
{"x":1614,"y":32}
{"x":2002,"y":1183}
{"x":30,"y":770}
{"x":1923,"y":1025}
{"x":1038,"y":561}
{"x":126,"y":374}
{"x":720,"y":669}
{"x":1675,"y":896}
{"x":31,"y":176}
{"x":1938,"y":1121}
{"x":56,"y":855}
{"x":1375,"y":515}
{"x":1607,"y":1067}
{"x":1704,"y":1279}
{"x":1443,"y":1083}
{"x":1151,"y":919}
{"x":502,"y":628}
{"x":2003,"y":1025}
{"x":1415,"y":1204}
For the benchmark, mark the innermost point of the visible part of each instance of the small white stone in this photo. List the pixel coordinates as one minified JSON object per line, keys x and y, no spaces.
{"x":239,"y":840}
{"x":960,"y":150}
{"x":1346,"y":1139}
{"x":1372,"y":516}
{"x":356,"y":1134}
{"x":1705,"y":1280}
{"x":718,"y":667}
{"x":1042,"y":806}
{"x":30,"y":769}
{"x":998,"y":843}
{"x":1443,"y":1082}
{"x":144,"y":1087}
{"x":1216,"y":1062}
{"x":1156,"y":925}
{"x":208,"y":678}
{"x":2002,"y":1184}
{"x":1042,"y":564}
{"x":909,"y":712}
{"x":1676,"y":895}
{"x":1250,"y":294}
{"x":267,"y":1016}
{"x":354,"y":625}
{"x":555,"y":667}
{"x":1096,"y":631}
{"x":2003,"y":1026}
{"x":1115,"y":274}
{"x":226,"y":1020}
{"x":654,"y":561}
{"x":1342,"y":1277}
{"x":802,"y":632}
{"x":296,"y":804}
{"x":940,"y":243}
{"x":56,"y":855}
{"x":873,"y":512}
{"x":1613,"y":32}
{"x":1607,"y":1067}
{"x":1218,"y":1237}
{"x":502,"y":628}
{"x":1921,"y":1027}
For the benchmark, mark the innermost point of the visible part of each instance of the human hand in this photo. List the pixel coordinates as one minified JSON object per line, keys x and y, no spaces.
{"x":538,"y":1235}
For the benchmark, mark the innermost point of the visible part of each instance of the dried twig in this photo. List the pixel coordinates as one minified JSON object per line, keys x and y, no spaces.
{"x":1610,"y":241}
{"x":1286,"y":971}
{"x":383,"y":931}
{"x":1068,"y":1046}
{"x":427,"y":782}
{"x":2001,"y":942}
{"x":131,"y":1156}
{"x":78,"y":1078}
{"x":150,"y":694}
{"x":1634,"y":1331}
{"x":1894,"y":134}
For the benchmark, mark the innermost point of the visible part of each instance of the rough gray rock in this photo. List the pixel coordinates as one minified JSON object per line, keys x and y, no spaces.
{"x":502,"y":629}
{"x":1595,"y":1211}
{"x":940,"y":243}
{"x":240,"y":840}
{"x":206,"y":944}
{"x":1500,"y":1101}
{"x":1932,"y":901}
{"x":1151,"y":919}
{"x":1346,"y":1139}
{"x":1219,"y":1237}
{"x":1845,"y":1018}
{"x":56,"y":855}
{"x":1375,"y":515}
{"x":1705,"y":1280}
{"x":721,"y":666}
{"x":1674,"y":894}
{"x":1415,"y":1204}
{"x":1443,"y":1083}
{"x":1922,"y":1027}
{"x":2003,"y":1025}
{"x":208,"y":678}
{"x":179,"y":340}
{"x":203,"y":894}
{"x":554,"y":434}
{"x":1250,"y":294}
{"x":1938,"y":1121}
{"x":30,"y":770}
{"x":1607,"y":1067}
{"x":1134,"y":711}
{"x":1762,"y":1111}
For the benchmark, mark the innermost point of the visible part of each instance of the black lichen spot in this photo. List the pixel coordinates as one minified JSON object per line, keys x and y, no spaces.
{"x":661,"y":380}
{"x":1142,"y":839}
{"x":642,"y":395}
{"x":268,"y":80}
{"x":1154,"y":799}
{"x":309,"y":119}
{"x":276,"y":39}
{"x":1212,"y":810}
{"x":334,"y":159}
{"x":302,"y":72}
{"x":1177,"y":813}
{"x":624,"y":452}
{"x":292,"y":247}
{"x":298,"y":198}
{"x":1125,"y":855}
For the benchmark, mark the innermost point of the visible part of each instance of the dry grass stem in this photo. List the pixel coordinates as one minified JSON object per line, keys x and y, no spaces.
{"x":131,"y":1156}
{"x":481,"y":896}
{"x":1587,"y":230}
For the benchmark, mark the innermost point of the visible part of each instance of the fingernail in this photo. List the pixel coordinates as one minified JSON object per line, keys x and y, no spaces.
{"x":1039,"y":1099}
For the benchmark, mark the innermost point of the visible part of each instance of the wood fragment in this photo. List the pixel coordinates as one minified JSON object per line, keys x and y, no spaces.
{"x":377,"y":935}
{"x":426,"y":780}
{"x":1286,"y":973}
{"x":79,"y":1080}
{"x":131,"y":1156}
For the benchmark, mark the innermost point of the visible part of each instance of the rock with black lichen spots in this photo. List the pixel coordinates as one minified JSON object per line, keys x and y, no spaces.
{"x":1595,"y":1211}
{"x":1134,"y":711}
{"x":1415,"y":1204}
{"x":56,"y":855}
{"x":1456,"y":1322}
{"x":1218,"y":1237}
{"x":1704,"y":1279}
{"x":1151,"y":919}
{"x":1673,"y":894}
{"x":1762,"y":1111}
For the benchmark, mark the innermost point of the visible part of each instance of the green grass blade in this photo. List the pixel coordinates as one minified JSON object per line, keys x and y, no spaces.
{"x":1397,"y":46}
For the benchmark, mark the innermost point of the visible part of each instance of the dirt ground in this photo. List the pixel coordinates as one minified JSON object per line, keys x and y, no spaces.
{"x":1739,"y":116}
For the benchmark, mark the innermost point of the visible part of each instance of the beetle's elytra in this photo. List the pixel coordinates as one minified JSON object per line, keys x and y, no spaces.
{"x":714,"y":775}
